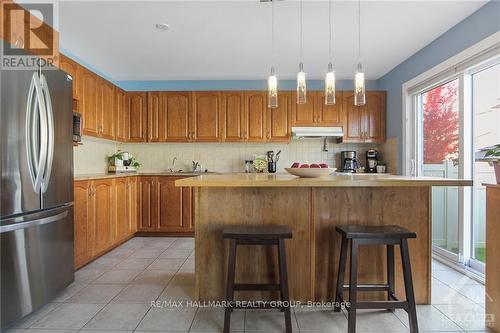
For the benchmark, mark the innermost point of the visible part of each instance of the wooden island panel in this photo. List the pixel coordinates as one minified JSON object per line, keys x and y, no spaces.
{"x":312,"y":254}
{"x":492,"y":256}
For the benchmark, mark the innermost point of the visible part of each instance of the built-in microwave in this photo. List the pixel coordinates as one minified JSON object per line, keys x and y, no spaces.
{"x":77,"y":127}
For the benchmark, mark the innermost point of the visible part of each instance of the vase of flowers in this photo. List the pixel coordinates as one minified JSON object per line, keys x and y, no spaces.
{"x":260,"y":164}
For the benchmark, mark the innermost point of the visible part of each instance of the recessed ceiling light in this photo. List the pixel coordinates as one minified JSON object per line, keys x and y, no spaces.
{"x":162,"y":26}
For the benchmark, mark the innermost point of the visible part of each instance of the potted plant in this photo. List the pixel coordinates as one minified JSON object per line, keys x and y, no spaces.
{"x":493,"y":158}
{"x":117,"y":159}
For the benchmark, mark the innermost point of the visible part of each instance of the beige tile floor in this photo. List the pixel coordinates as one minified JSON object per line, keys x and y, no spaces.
{"x":114,"y":294}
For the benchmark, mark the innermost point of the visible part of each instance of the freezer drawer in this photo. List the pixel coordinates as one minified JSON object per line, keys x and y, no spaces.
{"x":36,"y":262}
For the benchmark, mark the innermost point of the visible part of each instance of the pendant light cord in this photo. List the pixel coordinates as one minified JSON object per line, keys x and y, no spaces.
{"x":330,"y":30}
{"x":272,"y":33}
{"x":300,"y":37}
{"x":359,"y":30}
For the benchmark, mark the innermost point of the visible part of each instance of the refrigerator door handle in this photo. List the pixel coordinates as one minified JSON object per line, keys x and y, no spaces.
{"x":27,"y":224}
{"x":50,"y":132}
{"x":36,"y":141}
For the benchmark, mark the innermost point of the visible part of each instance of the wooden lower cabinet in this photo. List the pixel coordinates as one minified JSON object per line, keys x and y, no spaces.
{"x":164,"y":208}
{"x":105,"y":215}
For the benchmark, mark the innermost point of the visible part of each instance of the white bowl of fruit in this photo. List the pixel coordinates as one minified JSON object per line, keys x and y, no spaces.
{"x":313,"y":170}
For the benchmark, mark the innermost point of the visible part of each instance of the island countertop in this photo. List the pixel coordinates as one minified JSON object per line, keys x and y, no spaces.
{"x":335,"y":180}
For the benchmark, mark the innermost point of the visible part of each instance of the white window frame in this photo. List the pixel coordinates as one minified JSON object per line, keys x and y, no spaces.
{"x":458,"y":67}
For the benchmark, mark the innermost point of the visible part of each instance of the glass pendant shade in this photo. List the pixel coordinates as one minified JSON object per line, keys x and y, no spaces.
{"x":359,"y":87}
{"x":330,"y":86}
{"x":301,"y":86}
{"x":272,"y":90}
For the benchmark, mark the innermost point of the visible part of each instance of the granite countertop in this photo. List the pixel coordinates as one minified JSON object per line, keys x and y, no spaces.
{"x":135,"y":174}
{"x":335,"y":180}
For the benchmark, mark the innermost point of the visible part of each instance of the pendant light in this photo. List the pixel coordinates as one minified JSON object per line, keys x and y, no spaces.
{"x":272,"y":81}
{"x":359,"y":79}
{"x":301,"y":76}
{"x":330,"y":75}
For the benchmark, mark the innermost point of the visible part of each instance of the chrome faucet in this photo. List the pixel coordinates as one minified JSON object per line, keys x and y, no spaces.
{"x":172,"y":167}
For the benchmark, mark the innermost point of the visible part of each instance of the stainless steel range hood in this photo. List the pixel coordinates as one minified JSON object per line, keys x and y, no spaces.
{"x":315,"y":132}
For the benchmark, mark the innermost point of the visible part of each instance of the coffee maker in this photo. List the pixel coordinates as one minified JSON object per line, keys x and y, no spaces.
{"x":349,"y":161}
{"x":371,"y":161}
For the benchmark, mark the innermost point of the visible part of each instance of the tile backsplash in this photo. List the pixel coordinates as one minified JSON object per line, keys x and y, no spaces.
{"x":220,"y":157}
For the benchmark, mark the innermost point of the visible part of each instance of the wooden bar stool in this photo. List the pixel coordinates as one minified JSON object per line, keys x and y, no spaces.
{"x":257,"y":235}
{"x":379,"y":235}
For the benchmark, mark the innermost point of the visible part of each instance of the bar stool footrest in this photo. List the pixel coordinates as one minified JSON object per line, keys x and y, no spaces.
{"x":369,"y":287}
{"x":257,"y":286}
{"x":382,"y":305}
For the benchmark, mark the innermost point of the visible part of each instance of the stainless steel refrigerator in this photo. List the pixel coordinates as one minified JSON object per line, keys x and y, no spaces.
{"x":36,"y":194}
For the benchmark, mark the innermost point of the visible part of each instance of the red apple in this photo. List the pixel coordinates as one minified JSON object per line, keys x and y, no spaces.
{"x":314,"y":165}
{"x":295,"y":165}
{"x":324,"y":165}
{"x":304,"y":166}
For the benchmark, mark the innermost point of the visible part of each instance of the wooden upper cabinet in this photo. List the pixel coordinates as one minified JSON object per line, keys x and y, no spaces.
{"x":106,"y":110}
{"x":175,"y":117}
{"x":89,"y":105}
{"x":154,"y":99}
{"x":81,"y":223}
{"x":365,"y":123}
{"x":328,"y":115}
{"x":71,"y":67}
{"x":205,"y":116}
{"x":375,"y":114}
{"x":354,"y":124}
{"x":102,"y":210}
{"x":137,"y":111}
{"x":303,"y":114}
{"x":233,"y":116}
{"x":278,"y":119}
{"x":121,"y":116}
{"x":255,"y":116}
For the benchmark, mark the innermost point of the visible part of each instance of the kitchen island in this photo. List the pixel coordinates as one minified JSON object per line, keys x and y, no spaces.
{"x":312,"y":208}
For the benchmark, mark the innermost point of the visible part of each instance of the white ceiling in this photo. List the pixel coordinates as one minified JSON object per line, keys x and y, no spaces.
{"x":214,"y":40}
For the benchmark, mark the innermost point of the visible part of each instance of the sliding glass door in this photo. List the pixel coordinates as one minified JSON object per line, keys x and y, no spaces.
{"x":454,"y":117}
{"x":439,"y":156}
{"x":486,"y":132}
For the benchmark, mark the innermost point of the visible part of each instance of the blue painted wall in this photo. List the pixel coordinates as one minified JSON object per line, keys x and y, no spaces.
{"x":231,"y":85}
{"x":479,"y":25}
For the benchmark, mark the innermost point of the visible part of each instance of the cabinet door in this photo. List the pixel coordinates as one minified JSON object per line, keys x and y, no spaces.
{"x":122,"y":209}
{"x":170,"y":205}
{"x":71,"y":67}
{"x":174,"y":117}
{"x":106,"y":115}
{"x":255,"y":116}
{"x":233,"y":116}
{"x":133,"y":204}
{"x":278,"y":119}
{"x":147,"y":198}
{"x":375,"y":114}
{"x":354,"y":124}
{"x":121,"y":116}
{"x":102,"y":208}
{"x":137,"y":110}
{"x":81,"y":223}
{"x":328,"y":115}
{"x":303,"y":114}
{"x":206,"y":110}
{"x":154,"y":99}
{"x":89,"y":102}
